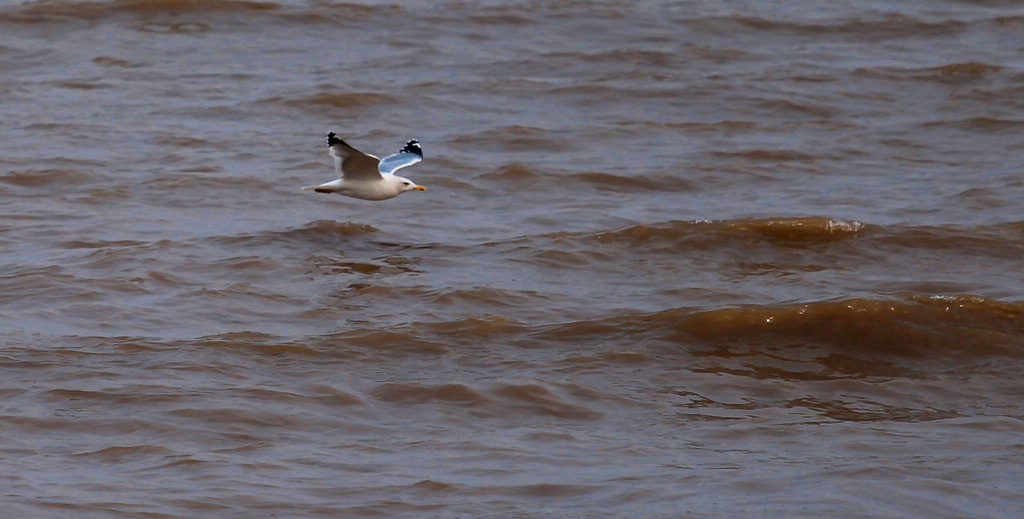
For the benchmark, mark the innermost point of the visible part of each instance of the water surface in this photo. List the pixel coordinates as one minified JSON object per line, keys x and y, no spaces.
{"x":676,"y":259}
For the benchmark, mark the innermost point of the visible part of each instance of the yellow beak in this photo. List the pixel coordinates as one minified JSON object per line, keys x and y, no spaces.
{"x":420,"y":188}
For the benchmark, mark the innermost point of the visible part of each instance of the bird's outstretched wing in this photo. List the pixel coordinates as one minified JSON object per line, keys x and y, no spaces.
{"x":351,"y":163}
{"x":407,"y":156}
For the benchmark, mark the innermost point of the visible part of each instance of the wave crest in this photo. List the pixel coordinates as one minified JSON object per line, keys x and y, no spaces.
{"x":681,"y":233}
{"x":916,"y":326}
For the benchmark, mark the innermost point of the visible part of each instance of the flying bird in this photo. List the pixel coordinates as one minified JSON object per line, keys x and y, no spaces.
{"x":364,"y":176}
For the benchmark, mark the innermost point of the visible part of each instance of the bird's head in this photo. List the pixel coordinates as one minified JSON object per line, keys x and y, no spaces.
{"x":405,"y":184}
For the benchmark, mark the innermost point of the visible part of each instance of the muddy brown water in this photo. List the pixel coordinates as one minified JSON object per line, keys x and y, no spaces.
{"x":676,"y":259}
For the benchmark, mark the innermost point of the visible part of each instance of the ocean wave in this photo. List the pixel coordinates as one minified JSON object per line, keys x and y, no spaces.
{"x":518,"y":172}
{"x":685,"y":233}
{"x":952,"y":73}
{"x":45,"y":178}
{"x":50,"y":11}
{"x":1005,"y":240}
{"x":727,"y":126}
{"x":891,"y":26}
{"x":768,"y":155}
{"x":921,"y":326}
{"x":647,"y":182}
{"x":240,"y":11}
{"x":913,"y":326}
{"x":512,"y":172}
{"x":641,"y":57}
{"x":521,"y":399}
{"x":786,"y":106}
{"x":326,"y":233}
{"x":514,"y":138}
{"x":333,"y":99}
{"x":979,"y":124}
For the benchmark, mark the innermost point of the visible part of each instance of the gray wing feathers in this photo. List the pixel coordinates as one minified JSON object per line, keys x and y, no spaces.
{"x":407,"y":156}
{"x":351,"y":163}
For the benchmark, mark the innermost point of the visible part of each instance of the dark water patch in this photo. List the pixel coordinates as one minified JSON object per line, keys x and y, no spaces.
{"x":768,"y":155}
{"x":953,"y":73}
{"x":647,"y":58}
{"x":903,"y":144}
{"x":1006,"y":21}
{"x":334,"y":100}
{"x":945,"y":329}
{"x":487,"y":298}
{"x":340,"y":13}
{"x":332,"y":396}
{"x":604,"y":92}
{"x":261,"y":343}
{"x":726,"y":127}
{"x":803,"y":109}
{"x":604,"y":360}
{"x":637,"y":57}
{"x":993,"y":241}
{"x":804,"y":229}
{"x":26,"y":286}
{"x":123,"y":454}
{"x":540,"y":400}
{"x":869,"y":411}
{"x":322,"y":234}
{"x":254,"y":267}
{"x":811,"y":78}
{"x":475,"y":328}
{"x":526,"y":175}
{"x":57,"y":178}
{"x":919,"y":327}
{"x":198,"y":179}
{"x":373,"y":343}
{"x":706,"y":234}
{"x":542,"y":490}
{"x":458,"y":394}
{"x":981,"y":199}
{"x":176,"y":141}
{"x":994,"y":94}
{"x":892,"y":26}
{"x":561,"y":259}
{"x":714,"y":54}
{"x":623,"y":183}
{"x":49,"y":425}
{"x":218,"y":113}
{"x":231,"y":419}
{"x":81,"y":85}
{"x":979,"y":124}
{"x":222,"y":300}
{"x":514,"y":138}
{"x":130,"y":395}
{"x":926,"y":329}
{"x":335,"y":266}
{"x":501,"y":19}
{"x":515,"y":172}
{"x":168,"y":18}
{"x":108,"y":61}
{"x":52,"y":11}
{"x":179,"y":6}
{"x":174,"y":27}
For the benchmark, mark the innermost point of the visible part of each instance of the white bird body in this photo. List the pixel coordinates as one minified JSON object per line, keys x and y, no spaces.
{"x":367,"y":177}
{"x":388,"y":187}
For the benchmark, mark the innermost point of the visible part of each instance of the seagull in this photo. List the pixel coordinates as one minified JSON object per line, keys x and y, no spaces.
{"x":367,"y":177}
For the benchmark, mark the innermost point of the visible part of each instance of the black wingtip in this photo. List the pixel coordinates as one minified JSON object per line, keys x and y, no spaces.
{"x":333,"y":139}
{"x":413,"y":147}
